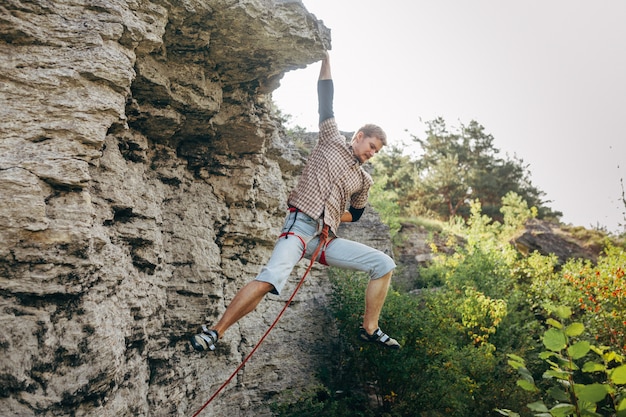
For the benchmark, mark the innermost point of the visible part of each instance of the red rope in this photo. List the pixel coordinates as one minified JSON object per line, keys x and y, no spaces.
{"x":323,"y":238}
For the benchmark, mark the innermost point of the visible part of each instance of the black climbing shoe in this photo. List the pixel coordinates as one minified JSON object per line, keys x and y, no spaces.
{"x":379,"y":338}
{"x":205,"y":340}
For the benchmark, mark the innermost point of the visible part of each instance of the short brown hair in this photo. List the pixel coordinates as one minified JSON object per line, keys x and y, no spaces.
{"x":372,"y":130}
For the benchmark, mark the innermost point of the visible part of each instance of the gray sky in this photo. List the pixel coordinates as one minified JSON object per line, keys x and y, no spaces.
{"x":546,"y":78}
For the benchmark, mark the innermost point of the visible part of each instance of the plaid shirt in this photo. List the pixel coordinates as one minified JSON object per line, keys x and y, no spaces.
{"x":332,"y":180}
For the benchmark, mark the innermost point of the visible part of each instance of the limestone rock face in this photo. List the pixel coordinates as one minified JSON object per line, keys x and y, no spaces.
{"x":143,"y":181}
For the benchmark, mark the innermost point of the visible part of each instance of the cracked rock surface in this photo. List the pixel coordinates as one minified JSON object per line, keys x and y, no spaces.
{"x":143,"y":181}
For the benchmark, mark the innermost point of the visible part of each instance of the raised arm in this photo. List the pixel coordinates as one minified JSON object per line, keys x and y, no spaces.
{"x":325,"y":91}
{"x":325,"y":69}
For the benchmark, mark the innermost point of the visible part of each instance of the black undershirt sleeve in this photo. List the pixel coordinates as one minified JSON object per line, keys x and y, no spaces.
{"x":356,"y":213}
{"x":325,"y":93}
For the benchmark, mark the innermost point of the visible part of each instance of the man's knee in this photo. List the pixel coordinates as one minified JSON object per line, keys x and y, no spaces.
{"x":386,"y":276}
{"x":385,"y":265}
{"x":264,"y":287}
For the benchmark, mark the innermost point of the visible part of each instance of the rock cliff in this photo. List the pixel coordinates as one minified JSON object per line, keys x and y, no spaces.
{"x":143,"y":180}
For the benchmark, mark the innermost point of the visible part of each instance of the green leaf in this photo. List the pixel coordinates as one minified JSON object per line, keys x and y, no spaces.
{"x":526,"y":375}
{"x":555,"y":365}
{"x":579,"y":349}
{"x":563,"y":312}
{"x":598,"y":350}
{"x":515,"y":365}
{"x":588,"y":409}
{"x":587,"y":413}
{"x":618,"y":375}
{"x":506,"y":412}
{"x":593,"y":367}
{"x":592,"y":393}
{"x":621,"y":408}
{"x":526,"y":385}
{"x":554,"y":340}
{"x":516,"y":358}
{"x":553,"y":373}
{"x":610,"y":357}
{"x":574,"y":329}
{"x":558,"y":394}
{"x":546,"y":354}
{"x":562,"y":410}
{"x":569,"y":365}
{"x":554,"y":323}
{"x":537,"y":406}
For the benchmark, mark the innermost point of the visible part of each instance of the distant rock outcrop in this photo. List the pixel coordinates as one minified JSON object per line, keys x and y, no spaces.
{"x":548,"y":239}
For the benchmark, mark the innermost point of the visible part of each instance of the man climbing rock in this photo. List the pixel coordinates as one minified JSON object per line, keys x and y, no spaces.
{"x":333,"y":188}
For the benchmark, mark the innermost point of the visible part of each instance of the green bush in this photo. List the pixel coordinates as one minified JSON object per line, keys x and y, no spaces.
{"x":440,"y":370}
{"x":596,"y":294}
{"x":480,"y":308}
{"x":587,"y":379}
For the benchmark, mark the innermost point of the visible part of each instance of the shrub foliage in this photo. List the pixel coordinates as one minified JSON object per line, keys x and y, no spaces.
{"x":478,"y":319}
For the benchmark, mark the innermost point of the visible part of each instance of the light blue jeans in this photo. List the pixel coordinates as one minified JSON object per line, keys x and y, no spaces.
{"x":302,"y":241}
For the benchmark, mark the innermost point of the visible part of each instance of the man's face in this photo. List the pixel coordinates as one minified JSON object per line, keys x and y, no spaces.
{"x":365,"y":146}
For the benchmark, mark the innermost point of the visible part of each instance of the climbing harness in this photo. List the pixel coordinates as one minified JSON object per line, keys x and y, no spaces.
{"x":295,"y":212}
{"x":323,"y":237}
